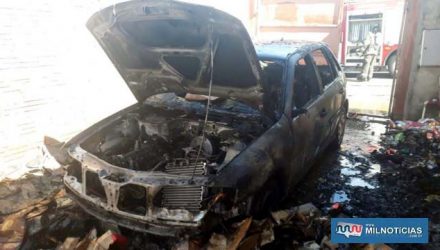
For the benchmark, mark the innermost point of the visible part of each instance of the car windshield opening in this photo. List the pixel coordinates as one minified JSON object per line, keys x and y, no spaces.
{"x":273,"y":71}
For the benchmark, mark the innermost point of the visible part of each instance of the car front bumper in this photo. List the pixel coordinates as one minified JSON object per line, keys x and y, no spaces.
{"x":105,"y":204}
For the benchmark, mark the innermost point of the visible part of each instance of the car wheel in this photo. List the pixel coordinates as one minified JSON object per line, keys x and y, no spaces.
{"x":340,"y":129}
{"x":391,"y":64}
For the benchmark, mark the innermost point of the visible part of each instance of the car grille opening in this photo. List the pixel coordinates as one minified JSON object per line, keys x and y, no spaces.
{"x":94,"y":186}
{"x":75,"y":170}
{"x":133,"y":199}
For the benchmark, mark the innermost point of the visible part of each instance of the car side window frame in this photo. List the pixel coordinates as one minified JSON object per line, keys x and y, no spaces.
{"x":330,"y":64}
{"x":335,"y":65}
{"x":310,"y":63}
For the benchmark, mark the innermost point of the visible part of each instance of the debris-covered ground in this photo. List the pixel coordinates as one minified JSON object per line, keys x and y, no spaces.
{"x":384,"y":169}
{"x":373,"y":175}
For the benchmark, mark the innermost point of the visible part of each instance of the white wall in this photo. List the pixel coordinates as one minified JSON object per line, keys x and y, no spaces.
{"x":54,"y":78}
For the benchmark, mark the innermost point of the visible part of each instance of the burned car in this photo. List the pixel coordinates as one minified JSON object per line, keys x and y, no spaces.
{"x":222,"y":127}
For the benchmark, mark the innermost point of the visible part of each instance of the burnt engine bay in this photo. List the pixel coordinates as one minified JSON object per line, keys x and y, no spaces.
{"x":167,"y":134}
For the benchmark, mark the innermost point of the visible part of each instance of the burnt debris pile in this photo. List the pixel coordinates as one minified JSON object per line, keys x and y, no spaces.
{"x":411,"y":153}
{"x":412,"y":144}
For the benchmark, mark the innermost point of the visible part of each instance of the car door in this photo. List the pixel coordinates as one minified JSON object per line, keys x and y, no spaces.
{"x":306,"y":108}
{"x":329,"y":105}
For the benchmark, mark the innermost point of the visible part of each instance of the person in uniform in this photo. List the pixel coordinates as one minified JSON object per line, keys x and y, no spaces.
{"x":371,"y":44}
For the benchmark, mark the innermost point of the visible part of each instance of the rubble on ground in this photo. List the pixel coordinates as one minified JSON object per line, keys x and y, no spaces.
{"x":31,"y":188}
{"x":382,"y":170}
{"x":38,"y":215}
{"x":410,"y":156}
{"x":412,"y":144}
{"x":411,"y":152}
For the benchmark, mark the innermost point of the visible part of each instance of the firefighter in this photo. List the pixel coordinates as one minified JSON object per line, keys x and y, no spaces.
{"x":371,"y":44}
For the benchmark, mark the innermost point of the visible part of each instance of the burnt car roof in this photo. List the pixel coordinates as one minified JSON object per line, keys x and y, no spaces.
{"x":282,"y":49}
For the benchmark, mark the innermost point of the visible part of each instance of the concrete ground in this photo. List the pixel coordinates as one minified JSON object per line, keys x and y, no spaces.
{"x":369,"y":97}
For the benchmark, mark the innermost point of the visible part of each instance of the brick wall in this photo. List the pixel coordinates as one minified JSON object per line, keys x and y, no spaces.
{"x":54,"y":78}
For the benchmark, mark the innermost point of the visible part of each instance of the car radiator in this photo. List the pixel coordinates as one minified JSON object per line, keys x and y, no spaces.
{"x":184,"y":197}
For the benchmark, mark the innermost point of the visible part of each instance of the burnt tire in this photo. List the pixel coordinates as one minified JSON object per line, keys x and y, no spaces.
{"x":340,"y":130}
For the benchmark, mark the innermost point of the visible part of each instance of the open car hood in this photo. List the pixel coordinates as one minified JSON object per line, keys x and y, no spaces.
{"x":166,"y":46}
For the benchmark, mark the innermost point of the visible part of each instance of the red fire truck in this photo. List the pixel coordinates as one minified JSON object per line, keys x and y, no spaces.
{"x":359,"y":18}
